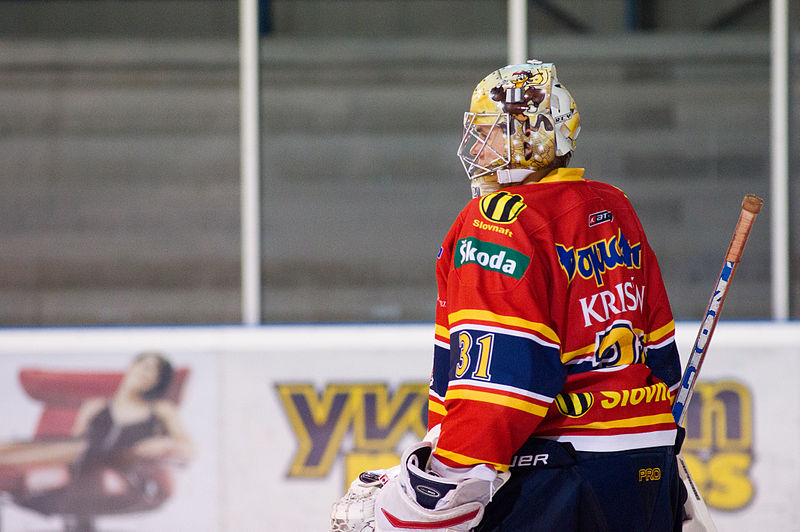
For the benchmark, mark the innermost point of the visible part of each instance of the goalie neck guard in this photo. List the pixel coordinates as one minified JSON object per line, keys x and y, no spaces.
{"x":519,"y":120}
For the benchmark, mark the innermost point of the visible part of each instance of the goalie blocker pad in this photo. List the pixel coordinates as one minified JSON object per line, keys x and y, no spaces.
{"x":419,"y":500}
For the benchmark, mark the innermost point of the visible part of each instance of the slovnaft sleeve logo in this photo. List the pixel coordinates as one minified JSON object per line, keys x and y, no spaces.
{"x":502,"y":207}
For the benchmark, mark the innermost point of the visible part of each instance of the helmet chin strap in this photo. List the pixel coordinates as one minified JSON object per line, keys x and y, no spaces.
{"x":480,"y":186}
{"x":510,"y":176}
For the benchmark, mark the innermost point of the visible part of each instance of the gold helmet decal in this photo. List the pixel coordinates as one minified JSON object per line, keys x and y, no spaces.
{"x":535,"y":115}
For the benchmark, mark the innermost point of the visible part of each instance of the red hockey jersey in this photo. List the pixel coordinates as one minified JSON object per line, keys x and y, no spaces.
{"x":552,"y":321}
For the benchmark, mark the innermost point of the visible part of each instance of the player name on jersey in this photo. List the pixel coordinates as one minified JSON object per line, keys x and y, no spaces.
{"x":600,"y":307}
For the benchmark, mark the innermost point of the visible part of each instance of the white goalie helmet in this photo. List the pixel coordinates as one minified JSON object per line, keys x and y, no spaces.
{"x":519,"y":120}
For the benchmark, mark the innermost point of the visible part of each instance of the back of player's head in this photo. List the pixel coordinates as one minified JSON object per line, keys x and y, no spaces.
{"x":534,"y":113}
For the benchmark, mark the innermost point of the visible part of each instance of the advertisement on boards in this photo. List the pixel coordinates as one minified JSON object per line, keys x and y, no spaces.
{"x":108,"y":436}
{"x":263,"y":428}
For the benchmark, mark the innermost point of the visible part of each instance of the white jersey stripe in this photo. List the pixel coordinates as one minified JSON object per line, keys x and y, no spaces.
{"x":502,"y":330}
{"x":619,"y":442}
{"x":659,"y":345}
{"x":443,"y":345}
{"x":501,"y":388}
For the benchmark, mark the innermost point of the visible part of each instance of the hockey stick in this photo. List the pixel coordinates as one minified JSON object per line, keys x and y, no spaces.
{"x":695,"y":505}
{"x":751,"y":206}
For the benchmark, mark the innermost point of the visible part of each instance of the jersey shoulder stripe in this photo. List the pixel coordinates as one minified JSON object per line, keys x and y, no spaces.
{"x":546,"y":400}
{"x":441,"y":333}
{"x":454,"y":459}
{"x":435,"y":404}
{"x":618,"y":442}
{"x":660,"y":333}
{"x":626,"y":423}
{"x":496,"y":397}
{"x":487,"y":317}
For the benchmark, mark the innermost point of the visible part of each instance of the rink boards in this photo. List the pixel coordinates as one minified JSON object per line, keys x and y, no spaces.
{"x":282,"y":417}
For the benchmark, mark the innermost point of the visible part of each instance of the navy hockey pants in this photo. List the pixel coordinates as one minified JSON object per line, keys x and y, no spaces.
{"x":554,"y":488}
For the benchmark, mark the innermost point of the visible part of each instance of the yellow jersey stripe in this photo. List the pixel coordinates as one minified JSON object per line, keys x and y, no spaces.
{"x":661,"y":332}
{"x":563,"y":174}
{"x":467,"y":460}
{"x":626,"y":423}
{"x":496,"y":399}
{"x":485,"y":315}
{"x":442,"y":331}
{"x":569,"y":355}
{"x":566,"y":357}
{"x":437,"y":408}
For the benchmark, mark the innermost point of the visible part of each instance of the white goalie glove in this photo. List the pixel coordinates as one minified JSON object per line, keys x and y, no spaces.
{"x":410,"y":497}
{"x":355,"y":511}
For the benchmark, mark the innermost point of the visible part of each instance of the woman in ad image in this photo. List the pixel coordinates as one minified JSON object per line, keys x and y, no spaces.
{"x":113,"y":463}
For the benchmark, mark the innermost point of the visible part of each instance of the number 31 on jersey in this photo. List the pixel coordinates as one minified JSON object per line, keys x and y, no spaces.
{"x":483,"y":355}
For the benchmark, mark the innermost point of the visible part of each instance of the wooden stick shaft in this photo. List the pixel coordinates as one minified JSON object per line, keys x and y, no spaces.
{"x":751,"y":206}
